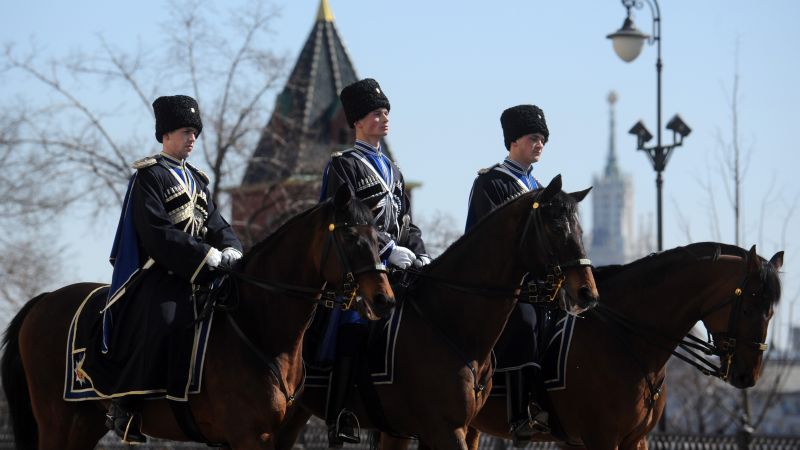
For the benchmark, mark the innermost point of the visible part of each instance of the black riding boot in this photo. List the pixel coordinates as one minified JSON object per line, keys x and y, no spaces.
{"x":525,"y":416}
{"x":342,"y":423}
{"x":125,"y":421}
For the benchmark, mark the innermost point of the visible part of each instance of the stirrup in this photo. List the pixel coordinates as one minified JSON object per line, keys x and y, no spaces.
{"x":539,"y":419}
{"x":125,"y":424}
{"x":347,"y":428}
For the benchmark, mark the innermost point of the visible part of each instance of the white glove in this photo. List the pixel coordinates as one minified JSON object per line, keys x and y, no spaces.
{"x":402,"y":257}
{"x":214,"y":258}
{"x":229,"y":257}
{"x":422,"y":260}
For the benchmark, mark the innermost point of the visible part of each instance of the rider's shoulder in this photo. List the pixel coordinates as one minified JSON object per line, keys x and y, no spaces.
{"x":486,"y":170}
{"x":340,"y":153}
{"x":145,"y":162}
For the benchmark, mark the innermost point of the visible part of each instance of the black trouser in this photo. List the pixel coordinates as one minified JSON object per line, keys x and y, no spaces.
{"x":350,"y":343}
{"x":521,"y":386}
{"x":179,"y":318}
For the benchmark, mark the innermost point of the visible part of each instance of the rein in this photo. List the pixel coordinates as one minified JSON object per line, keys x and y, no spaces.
{"x":694,"y":346}
{"x":535,"y":291}
{"x":319,"y":296}
{"x":478,"y":387}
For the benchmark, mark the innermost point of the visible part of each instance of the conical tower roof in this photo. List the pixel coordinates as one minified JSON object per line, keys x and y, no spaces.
{"x":307,"y":123}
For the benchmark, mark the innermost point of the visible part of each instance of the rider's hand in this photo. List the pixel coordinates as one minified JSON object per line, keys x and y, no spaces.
{"x":214,"y":258}
{"x":422,"y":260}
{"x":402,"y":257}
{"x":229,"y":257}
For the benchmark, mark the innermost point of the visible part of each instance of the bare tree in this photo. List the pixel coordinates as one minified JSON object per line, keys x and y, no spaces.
{"x":439,"y":230}
{"x":225,"y":67}
{"x":82,"y":129}
{"x":27,"y":262}
{"x":722,"y":411}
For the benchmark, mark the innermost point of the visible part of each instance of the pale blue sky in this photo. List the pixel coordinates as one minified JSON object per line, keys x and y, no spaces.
{"x":450,"y":68}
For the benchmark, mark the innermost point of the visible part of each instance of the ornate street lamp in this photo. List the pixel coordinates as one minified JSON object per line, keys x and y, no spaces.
{"x":628,"y":42}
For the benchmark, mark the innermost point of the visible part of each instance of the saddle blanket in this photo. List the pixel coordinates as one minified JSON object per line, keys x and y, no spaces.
{"x":380,"y":352}
{"x":85,"y":323}
{"x":554,"y":361}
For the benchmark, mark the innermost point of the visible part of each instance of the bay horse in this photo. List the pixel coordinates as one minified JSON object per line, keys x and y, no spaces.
{"x":456,"y":311}
{"x":250,"y":374}
{"x":616,"y":365}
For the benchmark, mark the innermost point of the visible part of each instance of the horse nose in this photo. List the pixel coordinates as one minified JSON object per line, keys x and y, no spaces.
{"x":587,"y":297}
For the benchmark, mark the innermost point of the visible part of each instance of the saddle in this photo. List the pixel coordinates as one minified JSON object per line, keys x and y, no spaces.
{"x":85,"y":334}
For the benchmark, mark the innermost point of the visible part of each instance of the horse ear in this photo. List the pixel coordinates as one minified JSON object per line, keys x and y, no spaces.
{"x":343,"y":196}
{"x":755,"y":261}
{"x":552,"y":189}
{"x":580,"y":195}
{"x":777,"y":260}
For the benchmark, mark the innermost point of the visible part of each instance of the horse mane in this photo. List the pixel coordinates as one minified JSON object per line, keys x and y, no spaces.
{"x":356,"y":211}
{"x":699,"y":251}
{"x":561,"y":198}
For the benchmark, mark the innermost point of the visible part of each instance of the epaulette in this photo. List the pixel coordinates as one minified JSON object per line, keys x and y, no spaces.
{"x":487,"y":169}
{"x":144,"y":162}
{"x":199,"y":172}
{"x":341,"y":152}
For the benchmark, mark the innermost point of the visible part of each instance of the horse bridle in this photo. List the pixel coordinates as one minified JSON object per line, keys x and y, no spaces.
{"x":327,"y":298}
{"x":547,"y":287}
{"x":349,"y":288}
{"x":725,"y":346}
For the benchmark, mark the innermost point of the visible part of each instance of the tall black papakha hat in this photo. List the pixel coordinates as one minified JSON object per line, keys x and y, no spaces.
{"x":176,"y":111}
{"x":361,"y":98}
{"x":522,"y":120}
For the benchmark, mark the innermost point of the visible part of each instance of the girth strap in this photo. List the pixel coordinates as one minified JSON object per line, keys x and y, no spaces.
{"x":185,"y":418}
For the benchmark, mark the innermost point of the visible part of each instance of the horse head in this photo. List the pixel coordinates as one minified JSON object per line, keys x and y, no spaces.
{"x":556,"y":247}
{"x":354,"y":242}
{"x":739,"y":325}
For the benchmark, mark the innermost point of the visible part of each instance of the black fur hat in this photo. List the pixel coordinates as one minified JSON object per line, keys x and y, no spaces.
{"x":362,"y":97}
{"x":176,"y":111}
{"x":521,"y":120}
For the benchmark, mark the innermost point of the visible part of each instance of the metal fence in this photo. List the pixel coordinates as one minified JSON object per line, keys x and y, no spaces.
{"x":315,"y":437}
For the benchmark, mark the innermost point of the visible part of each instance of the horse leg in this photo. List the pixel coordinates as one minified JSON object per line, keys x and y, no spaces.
{"x":71,"y":427}
{"x":444,"y":439}
{"x":595,"y":443}
{"x":87,"y":427}
{"x":473,"y":438}
{"x":291,"y":427}
{"x":388,"y":442}
{"x":638,"y":444}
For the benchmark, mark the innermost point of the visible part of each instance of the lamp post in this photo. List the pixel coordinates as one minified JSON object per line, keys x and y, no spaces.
{"x":628,"y":42}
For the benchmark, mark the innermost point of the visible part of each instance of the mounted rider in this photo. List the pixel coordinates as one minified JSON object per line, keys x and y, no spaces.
{"x":525,"y":134}
{"x":378,"y":182}
{"x":169,"y":240}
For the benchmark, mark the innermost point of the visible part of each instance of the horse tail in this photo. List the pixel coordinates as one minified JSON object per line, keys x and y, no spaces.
{"x":15,"y":384}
